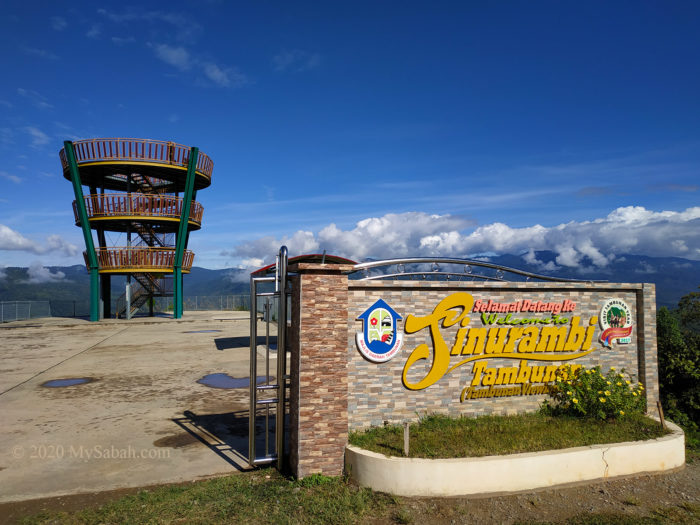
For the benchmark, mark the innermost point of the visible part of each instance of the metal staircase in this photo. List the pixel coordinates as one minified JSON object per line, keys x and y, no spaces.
{"x":147,"y":285}
{"x":148,"y":235}
{"x":142,"y":182}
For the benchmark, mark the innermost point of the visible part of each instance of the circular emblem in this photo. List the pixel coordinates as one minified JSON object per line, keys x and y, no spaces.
{"x":379,"y":340}
{"x":616,"y":322}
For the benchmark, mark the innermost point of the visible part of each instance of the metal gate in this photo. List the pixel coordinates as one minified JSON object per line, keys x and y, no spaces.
{"x":268,"y":395}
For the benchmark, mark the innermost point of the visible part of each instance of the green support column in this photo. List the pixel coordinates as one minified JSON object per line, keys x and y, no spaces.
{"x":187,"y":237}
{"x":177,"y":293}
{"x":93,"y":266}
{"x":182,"y":234}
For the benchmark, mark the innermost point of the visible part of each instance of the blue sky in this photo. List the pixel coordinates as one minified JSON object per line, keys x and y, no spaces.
{"x":369,"y":129}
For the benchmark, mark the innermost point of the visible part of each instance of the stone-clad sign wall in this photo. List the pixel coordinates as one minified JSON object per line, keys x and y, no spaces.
{"x":496,"y":361}
{"x":367,"y":352}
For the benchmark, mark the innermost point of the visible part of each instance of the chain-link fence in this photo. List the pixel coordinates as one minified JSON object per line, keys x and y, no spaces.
{"x":202,"y":302}
{"x":70,"y":308}
{"x":21,"y":310}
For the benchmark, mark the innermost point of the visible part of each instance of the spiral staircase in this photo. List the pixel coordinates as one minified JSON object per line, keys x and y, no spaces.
{"x":146,"y":190}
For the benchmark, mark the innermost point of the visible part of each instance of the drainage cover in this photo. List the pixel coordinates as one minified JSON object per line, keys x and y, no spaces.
{"x":60,"y":383}
{"x":202,"y":331}
{"x":226,"y":381}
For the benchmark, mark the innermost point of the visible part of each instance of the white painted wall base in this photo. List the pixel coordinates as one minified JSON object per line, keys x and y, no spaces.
{"x":515,"y":472}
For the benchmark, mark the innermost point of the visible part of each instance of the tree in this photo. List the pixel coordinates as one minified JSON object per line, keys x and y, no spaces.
{"x":678,"y":342}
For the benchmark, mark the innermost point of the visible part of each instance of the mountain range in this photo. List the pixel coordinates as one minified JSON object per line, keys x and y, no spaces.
{"x":673,"y":276}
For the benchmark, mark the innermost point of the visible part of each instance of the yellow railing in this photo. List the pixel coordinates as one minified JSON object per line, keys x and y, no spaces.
{"x":140,"y":259}
{"x":137,"y":204}
{"x":139,"y":150}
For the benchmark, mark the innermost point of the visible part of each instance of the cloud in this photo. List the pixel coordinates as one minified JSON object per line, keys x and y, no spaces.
{"x":182,"y":59}
{"x":175,"y":56}
{"x":685,"y":188}
{"x":240,"y":275}
{"x":10,"y":177}
{"x":39,"y":138}
{"x":295,"y":60}
{"x":38,"y":274}
{"x":58,"y":23}
{"x":631,"y":229}
{"x":6,"y":137}
{"x":122,"y":41}
{"x":224,"y":77}
{"x":645,"y":267}
{"x":261,"y":251}
{"x":531,"y":258}
{"x":14,"y":241}
{"x":186,"y":29}
{"x":56,"y":243}
{"x":37,"y":99}
{"x":41,"y":53}
{"x":393,"y":235}
{"x":94,"y":31}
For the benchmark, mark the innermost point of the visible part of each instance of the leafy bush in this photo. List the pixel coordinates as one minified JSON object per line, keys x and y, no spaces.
{"x":585,"y":392}
{"x":679,"y":362}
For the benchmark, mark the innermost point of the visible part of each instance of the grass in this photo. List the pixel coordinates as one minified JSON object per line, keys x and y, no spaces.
{"x":438,"y":436}
{"x":255,"y":497}
{"x":266,"y":497}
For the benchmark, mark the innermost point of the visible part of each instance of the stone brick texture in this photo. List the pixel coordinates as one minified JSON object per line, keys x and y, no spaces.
{"x":376,"y":391}
{"x":319,"y":380}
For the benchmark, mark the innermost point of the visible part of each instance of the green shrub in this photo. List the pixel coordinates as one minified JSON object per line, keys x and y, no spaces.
{"x":588,"y":393}
{"x":679,"y":363}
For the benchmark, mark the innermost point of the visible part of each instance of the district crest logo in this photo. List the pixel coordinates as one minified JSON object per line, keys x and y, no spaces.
{"x":379,"y":340}
{"x":616,"y":322}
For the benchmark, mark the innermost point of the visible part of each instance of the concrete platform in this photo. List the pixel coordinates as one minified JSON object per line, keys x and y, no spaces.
{"x":142,"y":419}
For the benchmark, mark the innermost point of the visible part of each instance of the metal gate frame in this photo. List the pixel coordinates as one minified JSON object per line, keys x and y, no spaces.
{"x":280,"y":386}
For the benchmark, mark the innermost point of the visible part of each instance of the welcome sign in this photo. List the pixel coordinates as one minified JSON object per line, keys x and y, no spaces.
{"x":509,"y":348}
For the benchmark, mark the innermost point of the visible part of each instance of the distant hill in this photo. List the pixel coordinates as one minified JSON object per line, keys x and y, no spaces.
{"x":674,"y":277}
{"x":71,"y":283}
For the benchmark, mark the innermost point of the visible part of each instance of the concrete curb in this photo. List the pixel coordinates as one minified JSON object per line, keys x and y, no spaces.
{"x":515,"y":472}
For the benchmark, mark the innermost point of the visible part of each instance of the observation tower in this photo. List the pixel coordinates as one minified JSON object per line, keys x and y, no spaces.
{"x":145,"y":191}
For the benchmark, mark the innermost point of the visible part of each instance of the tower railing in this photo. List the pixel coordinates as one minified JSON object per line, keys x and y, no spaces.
{"x":135,"y":204}
{"x":139,"y":150}
{"x":141,"y":259}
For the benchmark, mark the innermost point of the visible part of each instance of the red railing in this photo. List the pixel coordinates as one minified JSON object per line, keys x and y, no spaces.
{"x":139,"y":150}
{"x":137,"y":204}
{"x":141,"y":259}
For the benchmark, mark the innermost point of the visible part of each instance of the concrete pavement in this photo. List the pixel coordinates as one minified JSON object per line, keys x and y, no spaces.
{"x":142,"y":419}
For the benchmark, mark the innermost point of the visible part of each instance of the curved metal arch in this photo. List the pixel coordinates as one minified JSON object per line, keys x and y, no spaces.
{"x":450,"y":260}
{"x":424,"y":275}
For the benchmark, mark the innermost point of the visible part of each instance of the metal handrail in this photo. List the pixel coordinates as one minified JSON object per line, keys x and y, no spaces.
{"x":137,"y":204}
{"x":125,"y":258}
{"x":139,"y":150}
{"x":424,"y":275}
{"x":467,"y":263}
